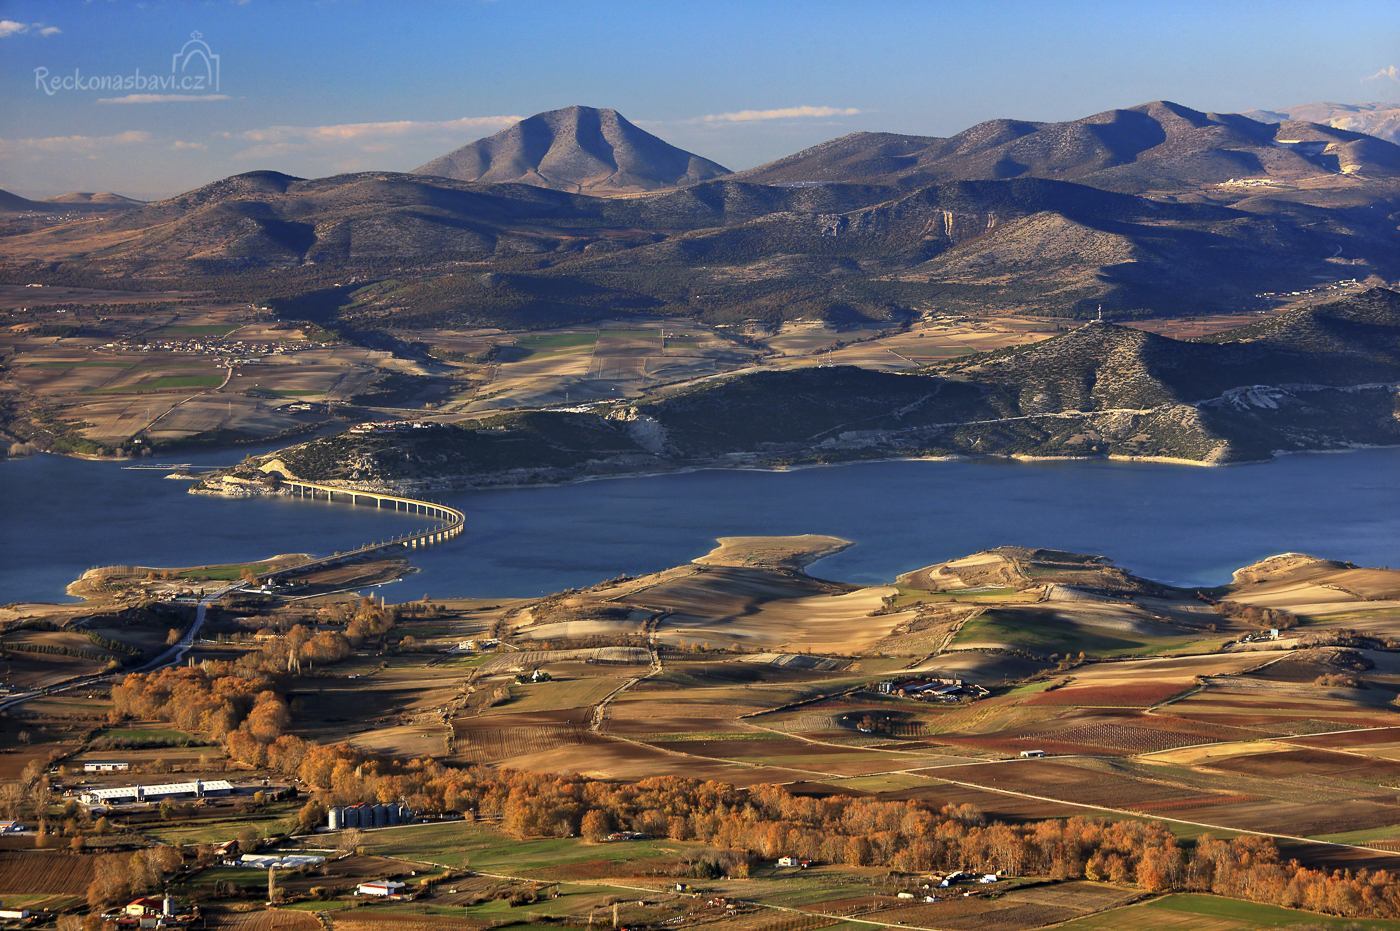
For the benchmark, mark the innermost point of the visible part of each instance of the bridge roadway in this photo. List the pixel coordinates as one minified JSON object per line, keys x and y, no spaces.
{"x":451,"y":521}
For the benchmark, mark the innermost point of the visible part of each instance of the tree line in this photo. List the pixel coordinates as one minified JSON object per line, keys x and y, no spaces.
{"x":246,"y":714}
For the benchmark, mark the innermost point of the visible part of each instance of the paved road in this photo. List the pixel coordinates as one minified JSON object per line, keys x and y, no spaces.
{"x":173,"y":655}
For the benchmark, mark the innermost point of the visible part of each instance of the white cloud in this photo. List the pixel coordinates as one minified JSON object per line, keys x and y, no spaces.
{"x":9,"y":27}
{"x":1389,"y":72}
{"x":372,"y":131}
{"x":71,"y":145}
{"x":163,"y":98}
{"x":182,"y":145}
{"x":780,"y":113}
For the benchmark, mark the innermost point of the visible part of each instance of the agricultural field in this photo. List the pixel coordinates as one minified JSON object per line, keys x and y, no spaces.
{"x":498,"y":370}
{"x":934,"y":338}
{"x":42,"y":874}
{"x":1213,"y":913}
{"x":1149,"y":705}
{"x":261,"y":920}
{"x":99,"y":373}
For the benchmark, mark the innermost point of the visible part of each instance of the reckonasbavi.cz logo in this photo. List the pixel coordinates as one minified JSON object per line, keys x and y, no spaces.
{"x":194,"y":70}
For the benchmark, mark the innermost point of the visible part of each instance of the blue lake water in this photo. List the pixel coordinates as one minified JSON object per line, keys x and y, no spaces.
{"x":1175,"y":523}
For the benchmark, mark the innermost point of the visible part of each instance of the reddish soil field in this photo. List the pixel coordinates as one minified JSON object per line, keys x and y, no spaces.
{"x":1193,"y":802}
{"x":1016,"y":742}
{"x":1382,"y":735}
{"x":1339,"y":857}
{"x":1114,"y":696}
{"x":1106,"y":733}
{"x":1305,"y":819}
{"x":794,"y":753}
{"x":1089,"y":786}
{"x":1308,"y":762}
{"x":46,"y":871}
{"x":271,"y":919}
{"x":993,"y":804}
{"x":1124,"y":738}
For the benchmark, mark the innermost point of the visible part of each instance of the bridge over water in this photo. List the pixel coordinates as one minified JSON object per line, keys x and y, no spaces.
{"x":450,"y":521}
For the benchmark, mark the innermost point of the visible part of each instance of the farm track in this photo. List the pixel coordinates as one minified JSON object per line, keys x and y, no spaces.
{"x":228,"y":376}
{"x":599,"y":715}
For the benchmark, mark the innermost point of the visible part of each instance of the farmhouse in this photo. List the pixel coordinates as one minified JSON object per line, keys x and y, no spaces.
{"x":140,"y":908}
{"x":106,"y":766}
{"x":124,"y":795}
{"x":1032,"y":754}
{"x":380,"y":887}
{"x":932,"y":689}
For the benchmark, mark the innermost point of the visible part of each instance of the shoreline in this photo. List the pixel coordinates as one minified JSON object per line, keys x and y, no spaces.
{"x":948,"y":457}
{"x":990,"y":458}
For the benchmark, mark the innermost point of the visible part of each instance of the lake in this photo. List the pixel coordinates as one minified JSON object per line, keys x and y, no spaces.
{"x":1179,"y":524}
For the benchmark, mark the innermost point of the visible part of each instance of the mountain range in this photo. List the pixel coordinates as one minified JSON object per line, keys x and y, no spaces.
{"x":1156,"y":209}
{"x":1159,"y":146}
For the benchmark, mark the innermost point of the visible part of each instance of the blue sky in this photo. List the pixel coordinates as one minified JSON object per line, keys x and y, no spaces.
{"x":315,"y":88}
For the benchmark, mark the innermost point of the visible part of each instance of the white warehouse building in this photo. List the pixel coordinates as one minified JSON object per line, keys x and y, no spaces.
{"x":127,"y":795}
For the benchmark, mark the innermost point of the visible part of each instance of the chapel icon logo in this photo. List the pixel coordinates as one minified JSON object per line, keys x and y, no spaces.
{"x":196,"y":66}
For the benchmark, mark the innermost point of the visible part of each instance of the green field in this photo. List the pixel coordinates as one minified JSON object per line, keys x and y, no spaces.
{"x":243,"y":877}
{"x":1037,"y":632}
{"x":557,"y":694}
{"x":1385,"y":832}
{"x":226,"y":573}
{"x":138,"y":737}
{"x":557,"y":342}
{"x":273,"y":821}
{"x":1213,"y":913}
{"x":459,"y":844}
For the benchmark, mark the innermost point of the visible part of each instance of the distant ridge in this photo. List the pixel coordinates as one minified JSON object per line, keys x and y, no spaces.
{"x":1157,"y":146}
{"x":1381,"y":120}
{"x":576,"y":149}
{"x":100,"y":199}
{"x":14,"y":203}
